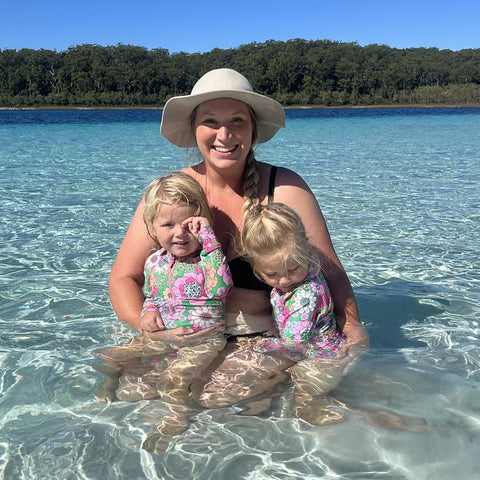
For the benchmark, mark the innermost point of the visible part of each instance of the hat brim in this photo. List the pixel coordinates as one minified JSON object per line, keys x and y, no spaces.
{"x":176,"y":128}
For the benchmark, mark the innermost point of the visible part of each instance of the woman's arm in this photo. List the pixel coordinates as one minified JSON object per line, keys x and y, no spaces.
{"x":126,"y":277}
{"x":292,"y":190}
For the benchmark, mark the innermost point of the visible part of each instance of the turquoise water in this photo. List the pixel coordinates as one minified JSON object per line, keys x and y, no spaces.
{"x":400,"y":193}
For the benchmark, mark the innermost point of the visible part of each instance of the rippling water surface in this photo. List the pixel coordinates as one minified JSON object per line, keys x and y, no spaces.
{"x":400,"y":192}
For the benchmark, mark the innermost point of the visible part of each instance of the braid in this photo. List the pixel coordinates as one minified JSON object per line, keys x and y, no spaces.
{"x":250,"y":185}
{"x":250,"y":176}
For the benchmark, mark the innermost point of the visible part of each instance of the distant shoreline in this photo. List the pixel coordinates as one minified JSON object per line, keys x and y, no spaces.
{"x":289,"y":107}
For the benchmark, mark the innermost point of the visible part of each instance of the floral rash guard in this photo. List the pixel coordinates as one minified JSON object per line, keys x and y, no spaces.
{"x":191,"y":292}
{"x":305,"y":320}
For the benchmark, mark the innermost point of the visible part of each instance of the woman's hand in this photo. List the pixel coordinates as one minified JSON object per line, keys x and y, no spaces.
{"x":355,"y":346}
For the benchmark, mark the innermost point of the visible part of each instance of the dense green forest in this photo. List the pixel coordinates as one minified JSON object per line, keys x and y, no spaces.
{"x":295,"y":72}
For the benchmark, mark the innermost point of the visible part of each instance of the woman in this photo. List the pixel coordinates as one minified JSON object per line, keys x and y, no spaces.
{"x":224,"y":118}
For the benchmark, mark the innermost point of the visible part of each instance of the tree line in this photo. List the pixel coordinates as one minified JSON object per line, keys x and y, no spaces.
{"x":295,"y":72}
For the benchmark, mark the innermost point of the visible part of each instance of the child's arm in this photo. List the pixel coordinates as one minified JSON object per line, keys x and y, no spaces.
{"x":304,"y":310}
{"x":150,"y":318}
{"x":218,"y":279}
{"x":294,"y":314}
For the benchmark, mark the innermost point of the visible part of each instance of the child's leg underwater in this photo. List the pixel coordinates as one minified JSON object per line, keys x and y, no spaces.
{"x":313,"y":379}
{"x":239,"y":374}
{"x":173,"y":386}
{"x":128,"y":360}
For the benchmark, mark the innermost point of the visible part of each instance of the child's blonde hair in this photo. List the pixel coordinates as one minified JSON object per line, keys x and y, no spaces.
{"x":176,"y":188}
{"x":270,"y":228}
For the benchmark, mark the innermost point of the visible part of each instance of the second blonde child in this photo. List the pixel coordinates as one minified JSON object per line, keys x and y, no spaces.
{"x":275,"y":242}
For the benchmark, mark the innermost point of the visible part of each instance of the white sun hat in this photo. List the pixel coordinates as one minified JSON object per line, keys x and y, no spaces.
{"x":219,"y":83}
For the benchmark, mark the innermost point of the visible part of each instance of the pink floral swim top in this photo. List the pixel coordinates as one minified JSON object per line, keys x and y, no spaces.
{"x":305,"y":320}
{"x":191,"y":292}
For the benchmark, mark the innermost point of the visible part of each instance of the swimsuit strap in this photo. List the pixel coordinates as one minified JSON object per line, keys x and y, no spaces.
{"x":243,"y":276}
{"x":271,"y":183}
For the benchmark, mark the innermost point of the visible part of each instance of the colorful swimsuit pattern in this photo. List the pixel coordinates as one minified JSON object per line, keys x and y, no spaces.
{"x":305,"y":320}
{"x":191,"y":292}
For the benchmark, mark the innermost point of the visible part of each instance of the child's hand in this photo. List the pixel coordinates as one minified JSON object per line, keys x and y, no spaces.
{"x":195,"y":224}
{"x":151,"y":321}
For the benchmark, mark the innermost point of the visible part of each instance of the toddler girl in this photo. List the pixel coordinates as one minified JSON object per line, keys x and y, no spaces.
{"x":186,"y":283}
{"x":188,"y":279}
{"x":274,"y":240}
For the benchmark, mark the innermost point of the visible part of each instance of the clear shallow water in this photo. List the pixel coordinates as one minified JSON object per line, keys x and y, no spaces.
{"x":399,"y":189}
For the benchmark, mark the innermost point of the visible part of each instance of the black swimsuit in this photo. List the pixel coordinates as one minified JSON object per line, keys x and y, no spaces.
{"x":240,"y":268}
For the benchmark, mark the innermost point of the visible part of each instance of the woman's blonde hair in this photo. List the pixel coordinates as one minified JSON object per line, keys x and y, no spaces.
{"x":275,"y":227}
{"x":176,"y":188}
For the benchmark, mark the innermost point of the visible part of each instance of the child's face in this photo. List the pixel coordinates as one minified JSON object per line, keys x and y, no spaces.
{"x":169,"y":231}
{"x":281,"y":271}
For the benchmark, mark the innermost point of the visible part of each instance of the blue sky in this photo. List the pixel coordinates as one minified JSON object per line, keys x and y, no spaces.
{"x":199,"y":26}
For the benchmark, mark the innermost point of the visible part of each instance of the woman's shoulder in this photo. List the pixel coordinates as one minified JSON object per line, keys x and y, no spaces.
{"x":283,"y":176}
{"x":279,"y":183}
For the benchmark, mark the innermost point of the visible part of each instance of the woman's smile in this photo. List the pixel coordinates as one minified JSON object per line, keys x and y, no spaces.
{"x":221,"y":149}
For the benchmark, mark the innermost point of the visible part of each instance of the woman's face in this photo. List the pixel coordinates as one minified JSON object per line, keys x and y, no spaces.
{"x":223,"y":129}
